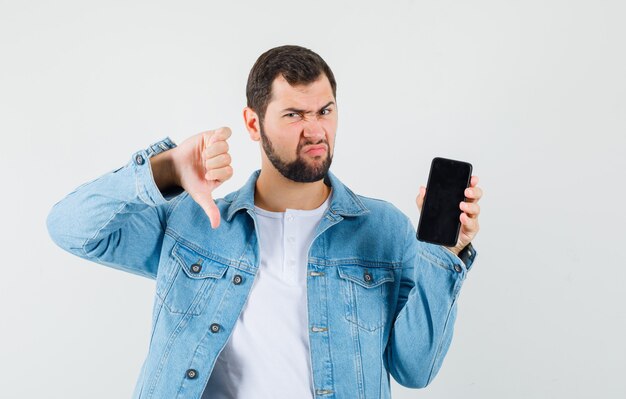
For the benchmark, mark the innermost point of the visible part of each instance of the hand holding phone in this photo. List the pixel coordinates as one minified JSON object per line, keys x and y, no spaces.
{"x":439,"y":221}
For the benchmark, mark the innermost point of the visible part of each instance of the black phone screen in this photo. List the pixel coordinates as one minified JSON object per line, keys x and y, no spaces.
{"x":439,"y":221}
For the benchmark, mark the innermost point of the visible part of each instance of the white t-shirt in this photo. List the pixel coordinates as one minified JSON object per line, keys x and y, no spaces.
{"x":267,"y":355}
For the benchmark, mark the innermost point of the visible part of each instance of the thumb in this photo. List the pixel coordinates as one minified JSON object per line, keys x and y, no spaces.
{"x":210,"y":208}
{"x":420,"y":198}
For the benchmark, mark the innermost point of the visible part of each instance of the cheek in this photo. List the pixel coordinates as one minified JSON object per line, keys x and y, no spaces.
{"x":330,"y":127}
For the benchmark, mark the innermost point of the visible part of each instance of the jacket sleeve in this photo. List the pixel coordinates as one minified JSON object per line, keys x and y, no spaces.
{"x":425,"y":312}
{"x":117,"y":219}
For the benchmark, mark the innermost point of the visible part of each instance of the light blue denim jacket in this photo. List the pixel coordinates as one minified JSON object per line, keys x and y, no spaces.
{"x":380,"y":302}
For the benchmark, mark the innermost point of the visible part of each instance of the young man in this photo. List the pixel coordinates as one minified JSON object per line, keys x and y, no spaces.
{"x":290,"y":287}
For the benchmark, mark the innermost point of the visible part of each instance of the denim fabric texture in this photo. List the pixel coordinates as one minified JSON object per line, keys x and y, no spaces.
{"x":380,"y":302}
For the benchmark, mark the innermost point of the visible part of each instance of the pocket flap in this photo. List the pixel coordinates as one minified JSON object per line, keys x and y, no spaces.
{"x":197,"y":265}
{"x":359,"y":275}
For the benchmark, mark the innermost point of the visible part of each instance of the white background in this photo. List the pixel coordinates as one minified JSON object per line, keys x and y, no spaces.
{"x":532,"y":93}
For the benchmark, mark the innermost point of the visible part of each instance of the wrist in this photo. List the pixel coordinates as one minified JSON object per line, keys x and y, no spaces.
{"x":163,"y":171}
{"x":455,"y":250}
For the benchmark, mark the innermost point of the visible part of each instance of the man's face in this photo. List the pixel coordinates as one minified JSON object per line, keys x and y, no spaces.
{"x":298,"y":131}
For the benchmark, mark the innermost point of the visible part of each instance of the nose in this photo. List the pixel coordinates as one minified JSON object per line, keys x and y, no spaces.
{"x":313,"y":130}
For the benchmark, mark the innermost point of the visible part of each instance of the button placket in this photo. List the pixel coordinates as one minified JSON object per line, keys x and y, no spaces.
{"x":290,"y":255}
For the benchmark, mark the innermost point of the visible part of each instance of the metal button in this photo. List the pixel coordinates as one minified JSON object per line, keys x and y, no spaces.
{"x":458,"y":268}
{"x":215,"y":327}
{"x":237,"y":279}
{"x":139,"y":159}
{"x":196,"y":267}
{"x":191,"y":374}
{"x":367,"y":277}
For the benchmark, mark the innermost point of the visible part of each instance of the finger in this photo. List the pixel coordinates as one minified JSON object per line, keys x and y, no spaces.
{"x":473,"y":194}
{"x":221,"y":174}
{"x":472,"y":209}
{"x":219,"y":147}
{"x":218,"y":161}
{"x":469,"y":225}
{"x":205,"y":140}
{"x":473,"y":181}
{"x":222,"y":133}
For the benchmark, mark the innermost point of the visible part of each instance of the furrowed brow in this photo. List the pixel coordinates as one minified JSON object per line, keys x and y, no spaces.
{"x":302,"y":111}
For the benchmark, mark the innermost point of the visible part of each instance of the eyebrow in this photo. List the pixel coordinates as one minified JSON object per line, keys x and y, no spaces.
{"x":302,"y":111}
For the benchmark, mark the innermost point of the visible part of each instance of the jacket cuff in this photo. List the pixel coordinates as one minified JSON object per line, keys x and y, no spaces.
{"x":465,"y":257}
{"x":146,"y":186}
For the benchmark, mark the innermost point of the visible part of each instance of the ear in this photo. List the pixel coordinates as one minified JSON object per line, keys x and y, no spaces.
{"x":251,"y":120}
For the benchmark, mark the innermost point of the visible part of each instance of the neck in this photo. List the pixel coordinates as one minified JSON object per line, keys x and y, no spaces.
{"x":274,"y":192}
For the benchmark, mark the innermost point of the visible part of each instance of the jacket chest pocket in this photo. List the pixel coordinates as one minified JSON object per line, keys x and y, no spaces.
{"x":192,"y":280}
{"x":366,"y":292}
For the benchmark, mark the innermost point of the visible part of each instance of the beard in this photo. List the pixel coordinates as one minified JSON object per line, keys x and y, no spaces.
{"x":299,"y":170}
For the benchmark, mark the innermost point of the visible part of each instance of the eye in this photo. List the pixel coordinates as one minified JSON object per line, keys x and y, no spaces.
{"x":292,"y":115}
{"x":325,"y":111}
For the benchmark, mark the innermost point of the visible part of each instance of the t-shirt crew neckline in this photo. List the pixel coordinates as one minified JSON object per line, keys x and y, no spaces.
{"x":299,"y":212}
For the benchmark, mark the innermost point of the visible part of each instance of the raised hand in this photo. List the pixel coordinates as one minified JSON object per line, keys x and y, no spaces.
{"x":469,"y":216}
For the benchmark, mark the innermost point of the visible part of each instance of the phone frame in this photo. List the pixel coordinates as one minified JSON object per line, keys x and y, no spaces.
{"x":430,"y":173}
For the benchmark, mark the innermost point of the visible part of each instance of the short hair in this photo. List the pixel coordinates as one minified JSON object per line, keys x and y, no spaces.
{"x":298,"y":65}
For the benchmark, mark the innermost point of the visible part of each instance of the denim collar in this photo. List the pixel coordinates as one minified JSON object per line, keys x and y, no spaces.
{"x":342,"y":202}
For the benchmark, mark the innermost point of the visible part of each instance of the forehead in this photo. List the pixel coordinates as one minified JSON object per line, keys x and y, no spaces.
{"x":314,"y":94}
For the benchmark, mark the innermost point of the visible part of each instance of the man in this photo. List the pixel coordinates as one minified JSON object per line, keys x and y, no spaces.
{"x":290,"y":287}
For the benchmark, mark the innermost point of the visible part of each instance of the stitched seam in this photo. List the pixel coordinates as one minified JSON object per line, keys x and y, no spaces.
{"x":440,"y":346}
{"x":358,"y":361}
{"x":433,"y":259}
{"x":355,"y":262}
{"x":174,"y":204}
{"x":87,"y":241}
{"x":329,"y":332}
{"x":168,"y":349}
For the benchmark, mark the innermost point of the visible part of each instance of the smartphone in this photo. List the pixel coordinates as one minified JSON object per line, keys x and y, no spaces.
{"x":439,"y":221}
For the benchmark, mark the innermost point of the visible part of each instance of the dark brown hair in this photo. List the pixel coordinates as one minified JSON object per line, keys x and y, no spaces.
{"x":298,"y":65}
